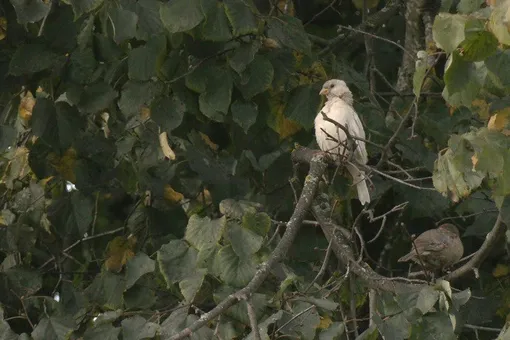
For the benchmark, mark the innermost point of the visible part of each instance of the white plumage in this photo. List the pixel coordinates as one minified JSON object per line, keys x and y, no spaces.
{"x":333,"y":139}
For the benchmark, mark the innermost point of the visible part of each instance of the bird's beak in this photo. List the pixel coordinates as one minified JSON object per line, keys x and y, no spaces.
{"x":324,"y":92}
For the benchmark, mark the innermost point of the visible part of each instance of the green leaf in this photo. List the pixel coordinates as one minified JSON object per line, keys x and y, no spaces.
{"x":54,"y":328}
{"x":257,"y":79}
{"x":241,"y":16}
{"x":427,"y":298}
{"x":478,"y":46}
{"x":191,"y":285}
{"x":448,"y":31}
{"x":137,"y":328}
{"x":469,"y":6}
{"x":333,"y":332}
{"x":138,"y":266}
{"x":107,"y":290}
{"x":123,"y":23}
{"x":498,"y":22}
{"x":236,"y":209}
{"x":7,"y":137}
{"x":139,"y":297}
{"x":84,"y":38}
{"x":260,"y":223}
{"x":235,"y":271}
{"x":96,"y":97}
{"x":31,"y":58}
{"x":181,"y":15}
{"x":499,"y":66}
{"x":23,"y":282}
{"x":304,"y":104}
{"x":238,"y":311}
{"x":149,"y":19}
{"x":420,"y":72}
{"x":71,"y":214}
{"x":57,"y":125}
{"x":168,"y":112}
{"x":82,"y":66}
{"x":136,"y":94}
{"x":244,"y":114}
{"x":215,"y":101}
{"x":102,"y":332}
{"x":204,"y":232}
{"x":463,"y":80}
{"x":264,"y":325}
{"x":289,"y":32}
{"x":301,"y":321}
{"x":244,"y":241}
{"x":30,"y":11}
{"x":243,"y":56}
{"x":145,"y":61}
{"x":216,"y":26}
{"x":84,"y":6}
{"x":177,"y":261}
{"x":435,"y":326}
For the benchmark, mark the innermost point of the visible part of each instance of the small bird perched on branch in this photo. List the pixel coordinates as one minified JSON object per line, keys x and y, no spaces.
{"x":335,"y":125}
{"x":438,"y":248}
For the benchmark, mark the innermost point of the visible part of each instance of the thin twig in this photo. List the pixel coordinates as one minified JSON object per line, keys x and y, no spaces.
{"x":379,"y":38}
{"x":322,"y":270}
{"x":472,"y":265}
{"x":306,"y":310}
{"x":317,"y":168}
{"x":253,"y":319}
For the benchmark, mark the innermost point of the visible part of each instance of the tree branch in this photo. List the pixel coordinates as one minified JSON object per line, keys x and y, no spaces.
{"x":317,"y":168}
{"x":374,"y":20}
{"x":491,"y":239}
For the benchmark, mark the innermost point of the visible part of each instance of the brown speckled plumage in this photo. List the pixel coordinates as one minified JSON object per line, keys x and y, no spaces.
{"x":439,"y":248}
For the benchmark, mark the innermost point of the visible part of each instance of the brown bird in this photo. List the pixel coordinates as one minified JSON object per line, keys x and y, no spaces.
{"x":438,"y":248}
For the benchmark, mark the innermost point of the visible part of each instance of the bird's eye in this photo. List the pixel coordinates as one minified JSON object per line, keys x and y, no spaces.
{"x":332,"y":85}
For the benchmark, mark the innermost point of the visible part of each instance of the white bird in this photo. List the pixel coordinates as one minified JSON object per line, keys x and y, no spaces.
{"x":334,"y":140}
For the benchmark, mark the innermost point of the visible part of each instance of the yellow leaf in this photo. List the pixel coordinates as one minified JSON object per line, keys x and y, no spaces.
{"x":205,"y":197}
{"x":165,"y":147}
{"x":208,"y":141}
{"x":325,"y":322}
{"x":286,"y":7}
{"x":270,"y":43}
{"x":171,"y":195}
{"x":65,"y":164}
{"x":120,"y":250}
{"x":277,"y":120}
{"x":481,"y":107}
{"x":501,"y":270}
{"x":474,"y":161}
{"x":17,"y":167}
{"x":26,"y":106}
{"x":500,"y":121}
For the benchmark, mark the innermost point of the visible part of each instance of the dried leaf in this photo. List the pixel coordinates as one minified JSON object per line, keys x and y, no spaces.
{"x":26,"y":106}
{"x":165,"y":147}
{"x":171,"y":195}
{"x":208,"y":141}
{"x":500,"y":270}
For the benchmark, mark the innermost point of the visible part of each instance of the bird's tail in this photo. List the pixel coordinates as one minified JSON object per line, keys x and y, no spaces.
{"x":407,"y":257}
{"x":358,"y":177}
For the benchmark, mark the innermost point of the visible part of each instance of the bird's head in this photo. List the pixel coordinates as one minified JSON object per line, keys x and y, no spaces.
{"x":336,"y":88}
{"x":450,"y":228}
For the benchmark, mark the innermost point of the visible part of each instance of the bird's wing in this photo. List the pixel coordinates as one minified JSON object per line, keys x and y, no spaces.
{"x":328,"y":135}
{"x":355,"y":128}
{"x":430,"y":241}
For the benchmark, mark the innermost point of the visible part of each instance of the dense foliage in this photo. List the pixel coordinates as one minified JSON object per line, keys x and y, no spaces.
{"x":148,"y":172}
